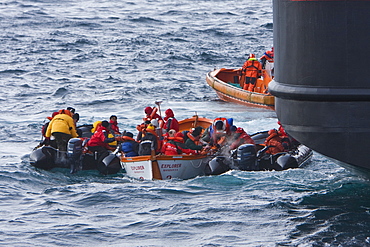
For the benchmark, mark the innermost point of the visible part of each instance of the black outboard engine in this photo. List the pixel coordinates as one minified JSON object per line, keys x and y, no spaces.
{"x":74,"y":151}
{"x":246,"y":158}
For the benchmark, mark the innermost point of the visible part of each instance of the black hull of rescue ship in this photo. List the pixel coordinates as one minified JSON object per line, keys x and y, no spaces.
{"x":322,"y":76}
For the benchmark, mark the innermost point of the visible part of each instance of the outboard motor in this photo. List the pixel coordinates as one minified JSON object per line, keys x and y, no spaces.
{"x":246,"y":158}
{"x":217,"y":166}
{"x":74,"y":151}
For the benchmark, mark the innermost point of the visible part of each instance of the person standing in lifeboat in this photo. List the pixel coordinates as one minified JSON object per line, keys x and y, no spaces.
{"x":267,"y":62}
{"x":274,"y":142}
{"x":252,"y":69}
{"x":170,"y":121}
{"x":62,"y":128}
{"x":151,"y":113}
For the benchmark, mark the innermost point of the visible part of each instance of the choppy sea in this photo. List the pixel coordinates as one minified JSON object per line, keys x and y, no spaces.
{"x":117,"y":57}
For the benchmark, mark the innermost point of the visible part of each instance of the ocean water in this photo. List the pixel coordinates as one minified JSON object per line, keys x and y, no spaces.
{"x":117,"y":57}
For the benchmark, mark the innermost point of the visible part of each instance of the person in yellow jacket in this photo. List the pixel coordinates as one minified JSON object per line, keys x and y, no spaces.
{"x":63,"y":128}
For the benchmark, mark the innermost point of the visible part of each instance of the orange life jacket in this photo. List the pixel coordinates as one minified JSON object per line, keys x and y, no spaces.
{"x":252,"y":68}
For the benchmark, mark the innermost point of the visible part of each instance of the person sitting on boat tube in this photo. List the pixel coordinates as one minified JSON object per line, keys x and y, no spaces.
{"x":99,"y":141}
{"x":273,"y":142}
{"x":252,"y":69}
{"x":170,"y":121}
{"x":46,"y":140}
{"x":287,"y":141}
{"x":62,"y":127}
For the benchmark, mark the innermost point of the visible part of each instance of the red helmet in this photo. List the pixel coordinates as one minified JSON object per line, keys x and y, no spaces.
{"x":252,"y":55}
{"x":148,"y":110}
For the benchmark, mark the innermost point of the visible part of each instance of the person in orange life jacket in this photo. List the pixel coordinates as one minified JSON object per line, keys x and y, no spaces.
{"x":141,"y":128}
{"x":150,"y":141}
{"x":239,"y":137}
{"x":62,"y":128}
{"x":287,"y":141}
{"x":99,"y":141}
{"x":129,"y":146}
{"x":114,"y":124}
{"x":267,"y":56}
{"x":220,"y":131}
{"x":253,"y":70}
{"x":174,"y":144}
{"x":193,"y":139}
{"x":170,"y":121}
{"x":46,"y":141}
{"x":273,"y":142}
{"x":151,"y":113}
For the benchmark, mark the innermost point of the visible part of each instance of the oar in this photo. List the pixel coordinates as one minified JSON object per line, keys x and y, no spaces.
{"x":158,"y":103}
{"x":196,"y":119}
{"x":155,"y":167}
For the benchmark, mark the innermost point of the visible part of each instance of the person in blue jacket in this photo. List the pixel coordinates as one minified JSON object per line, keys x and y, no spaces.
{"x":129,"y":146}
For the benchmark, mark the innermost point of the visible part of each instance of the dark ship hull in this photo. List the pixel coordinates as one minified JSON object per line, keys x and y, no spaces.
{"x":322,"y":84}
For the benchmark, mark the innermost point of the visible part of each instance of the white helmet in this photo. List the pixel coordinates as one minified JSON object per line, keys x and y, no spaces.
{"x":154,"y":122}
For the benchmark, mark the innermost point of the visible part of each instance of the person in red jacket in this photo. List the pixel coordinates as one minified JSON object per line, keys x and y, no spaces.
{"x":274,"y":142}
{"x":114,"y":124}
{"x":253,"y":70}
{"x":151,"y":113}
{"x":99,"y":141}
{"x":174,"y":144}
{"x":170,"y":121}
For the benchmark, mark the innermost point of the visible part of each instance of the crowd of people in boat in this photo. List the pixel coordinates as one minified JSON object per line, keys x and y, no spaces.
{"x":156,"y":135}
{"x":253,"y":69}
